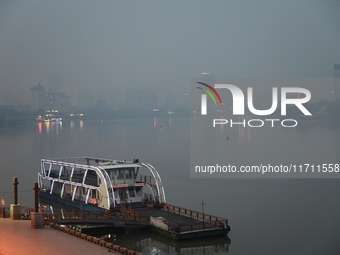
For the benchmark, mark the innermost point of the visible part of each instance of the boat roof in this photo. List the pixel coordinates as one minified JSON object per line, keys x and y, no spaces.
{"x":97,"y":162}
{"x":106,"y":167}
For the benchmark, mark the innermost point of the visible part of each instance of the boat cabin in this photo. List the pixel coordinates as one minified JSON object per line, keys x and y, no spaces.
{"x":101,"y":183}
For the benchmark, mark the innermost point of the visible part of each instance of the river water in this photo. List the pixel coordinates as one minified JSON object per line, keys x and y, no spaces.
{"x":267,"y":216}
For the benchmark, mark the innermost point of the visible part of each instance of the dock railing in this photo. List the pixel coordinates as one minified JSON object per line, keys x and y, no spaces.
{"x":204,"y":221}
{"x":25,"y":212}
{"x":124,"y":215}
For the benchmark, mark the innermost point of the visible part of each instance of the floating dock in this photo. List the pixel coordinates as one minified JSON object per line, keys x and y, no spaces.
{"x":171,"y":221}
{"x":179,"y":223}
{"x":119,"y":193}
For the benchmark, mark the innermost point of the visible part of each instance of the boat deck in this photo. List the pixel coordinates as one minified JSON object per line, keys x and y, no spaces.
{"x":179,"y":223}
{"x":171,"y":221}
{"x":169,"y":216}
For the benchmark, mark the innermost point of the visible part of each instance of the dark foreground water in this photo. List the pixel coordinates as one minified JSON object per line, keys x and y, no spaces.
{"x":267,"y":216}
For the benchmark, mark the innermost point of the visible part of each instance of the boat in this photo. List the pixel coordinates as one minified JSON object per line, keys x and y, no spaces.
{"x":48,"y":119}
{"x":97,"y":184}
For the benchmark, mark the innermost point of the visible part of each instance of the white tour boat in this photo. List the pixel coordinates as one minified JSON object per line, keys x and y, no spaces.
{"x":94,"y":184}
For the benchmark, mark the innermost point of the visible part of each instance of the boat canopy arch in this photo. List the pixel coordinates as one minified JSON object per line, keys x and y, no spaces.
{"x":53,"y":170}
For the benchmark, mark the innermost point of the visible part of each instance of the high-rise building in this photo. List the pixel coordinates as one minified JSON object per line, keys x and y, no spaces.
{"x":57,"y":102}
{"x":141,"y":98}
{"x":38,"y":98}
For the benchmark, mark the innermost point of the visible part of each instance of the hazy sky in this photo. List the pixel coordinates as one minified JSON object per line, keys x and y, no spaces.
{"x":111,"y":45}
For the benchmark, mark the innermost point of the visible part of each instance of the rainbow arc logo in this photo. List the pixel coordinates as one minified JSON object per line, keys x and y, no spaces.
{"x":204,"y":97}
{"x":209,"y":93}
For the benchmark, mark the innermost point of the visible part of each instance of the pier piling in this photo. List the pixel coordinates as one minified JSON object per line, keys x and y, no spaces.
{"x":36,"y":216}
{"x":36,"y":201}
{"x":15,"y":184}
{"x":15,"y":209}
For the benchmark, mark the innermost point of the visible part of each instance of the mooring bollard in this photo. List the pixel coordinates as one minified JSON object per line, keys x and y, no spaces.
{"x":15,"y":209}
{"x":36,"y":216}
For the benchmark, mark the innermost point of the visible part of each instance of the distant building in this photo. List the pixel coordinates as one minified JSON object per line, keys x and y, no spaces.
{"x":170,"y":103}
{"x":112,"y":99}
{"x":38,"y":98}
{"x":103,"y":97}
{"x":19,"y":107}
{"x":49,"y":101}
{"x":141,"y":98}
{"x":116,"y":101}
{"x":58,"y":102}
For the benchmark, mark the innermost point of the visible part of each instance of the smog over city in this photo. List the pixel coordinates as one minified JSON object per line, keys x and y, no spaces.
{"x":83,"y":46}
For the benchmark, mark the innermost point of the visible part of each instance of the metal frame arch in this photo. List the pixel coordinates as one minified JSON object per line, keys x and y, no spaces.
{"x":159,"y":184}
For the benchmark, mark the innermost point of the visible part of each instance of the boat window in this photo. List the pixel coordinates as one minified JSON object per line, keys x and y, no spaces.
{"x":128,"y":174}
{"x":57,"y":187}
{"x":120,"y":174}
{"x":116,"y":194}
{"x":122,"y":194}
{"x":78,"y":175}
{"x":53,"y":174}
{"x":64,"y":173}
{"x":94,"y":193}
{"x":84,"y":190}
{"x":91,"y":178}
{"x":112,"y":174}
{"x":131,"y":192}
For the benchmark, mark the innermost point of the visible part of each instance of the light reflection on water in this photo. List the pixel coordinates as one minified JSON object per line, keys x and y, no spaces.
{"x":146,"y":242}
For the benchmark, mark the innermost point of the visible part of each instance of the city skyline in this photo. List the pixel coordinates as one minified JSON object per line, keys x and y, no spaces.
{"x":53,"y":97}
{"x":41,"y":98}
